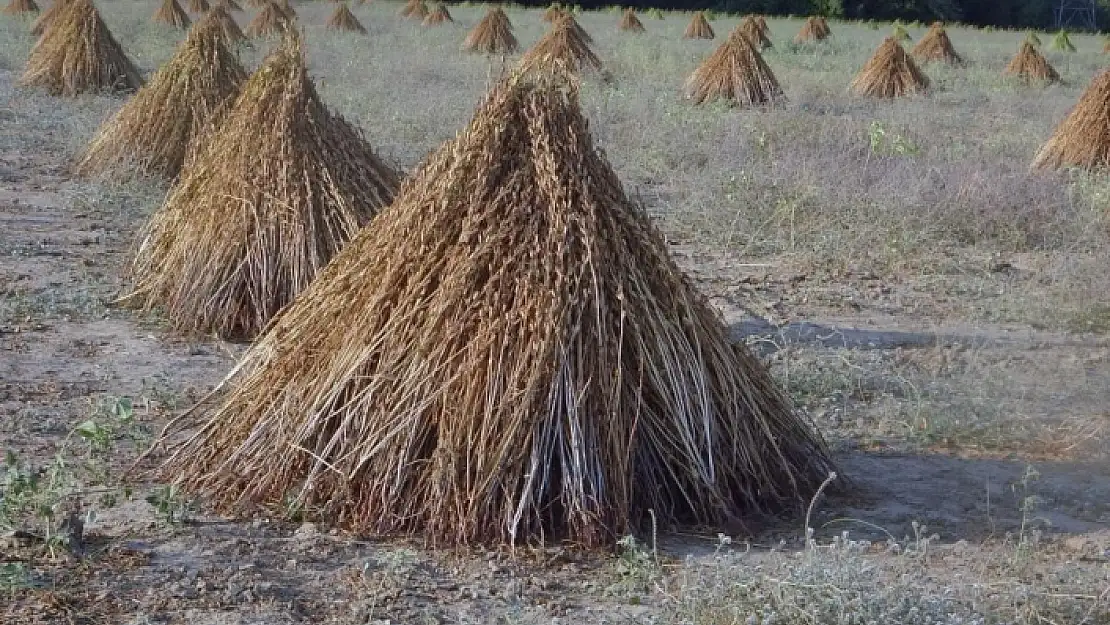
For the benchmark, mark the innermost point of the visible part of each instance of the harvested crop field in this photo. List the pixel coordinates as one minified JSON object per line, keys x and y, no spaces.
{"x":937,"y":309}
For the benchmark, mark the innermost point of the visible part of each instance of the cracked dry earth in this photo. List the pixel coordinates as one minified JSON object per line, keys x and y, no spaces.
{"x":65,"y":352}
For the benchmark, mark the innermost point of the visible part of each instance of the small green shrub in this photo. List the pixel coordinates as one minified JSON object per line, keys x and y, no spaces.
{"x":1062,"y":43}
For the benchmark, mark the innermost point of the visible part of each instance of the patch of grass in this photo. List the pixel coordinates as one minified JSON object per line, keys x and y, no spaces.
{"x":81,"y":472}
{"x":1095,"y":319}
{"x":950,"y":397}
{"x":636,"y":568}
{"x":857,"y":582}
{"x":171,"y":506}
{"x":14,"y":576}
{"x":30,"y":497}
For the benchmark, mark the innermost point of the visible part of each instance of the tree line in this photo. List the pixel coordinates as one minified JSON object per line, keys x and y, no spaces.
{"x":1039,"y":14}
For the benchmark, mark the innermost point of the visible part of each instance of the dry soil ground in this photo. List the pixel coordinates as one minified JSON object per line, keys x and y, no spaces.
{"x":957,"y":367}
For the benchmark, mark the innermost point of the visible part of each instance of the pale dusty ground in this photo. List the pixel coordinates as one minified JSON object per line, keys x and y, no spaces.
{"x":936,"y":414}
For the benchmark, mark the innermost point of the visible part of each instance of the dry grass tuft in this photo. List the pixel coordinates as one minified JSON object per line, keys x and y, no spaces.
{"x":271,"y":20}
{"x":735,"y":72}
{"x":749,"y":27}
{"x":492,"y":35}
{"x":342,"y":19}
{"x":562,"y":46}
{"x":20,"y":7}
{"x":1082,"y":140}
{"x":439,"y":15}
{"x":46,"y":17}
{"x":171,"y":14}
{"x":698,"y":28}
{"x":415,"y":10}
{"x":77,"y":54}
{"x":198,"y":6}
{"x":229,"y":28}
{"x":264,"y":201}
{"x":508,"y":354}
{"x":151,"y":133}
{"x":1029,"y":65}
{"x":552,"y":13}
{"x":936,"y":46}
{"x":889,"y":73}
{"x":811,"y":31}
{"x":630,"y":23}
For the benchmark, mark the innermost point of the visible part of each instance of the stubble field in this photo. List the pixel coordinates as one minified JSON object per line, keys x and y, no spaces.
{"x":940,"y":313}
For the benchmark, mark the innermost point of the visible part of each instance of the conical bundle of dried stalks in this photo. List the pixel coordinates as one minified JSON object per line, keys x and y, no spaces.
{"x":889,"y":73}
{"x":286,"y":8}
{"x":171,"y":14}
{"x":935,"y":46}
{"x":229,"y":28}
{"x":763,"y":28}
{"x":1030,"y":66}
{"x":552,"y":13}
{"x":562,"y":46}
{"x":824,"y":25}
{"x":151,"y":133}
{"x":1106,"y":47}
{"x":498,"y":15}
{"x":20,"y":7}
{"x":811,"y":31}
{"x":1032,"y":38}
{"x":1082,"y":140}
{"x":1062,"y":42}
{"x":46,"y":17}
{"x":508,"y":354}
{"x":439,"y":15}
{"x":262,"y":204}
{"x":735,"y":72}
{"x":572,"y":24}
{"x":198,"y":6}
{"x":230,"y":6}
{"x":630,"y":23}
{"x":698,"y":28}
{"x":258,"y":4}
{"x":343,"y":19}
{"x":900,"y":34}
{"x":492,"y":35}
{"x":271,"y":20}
{"x":78,"y":54}
{"x":414,"y":9}
{"x":749,"y":27}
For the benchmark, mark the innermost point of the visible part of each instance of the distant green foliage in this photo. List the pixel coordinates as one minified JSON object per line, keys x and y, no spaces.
{"x":1010,"y":14}
{"x":828,"y":8}
{"x":656,"y":13}
{"x":710,"y":14}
